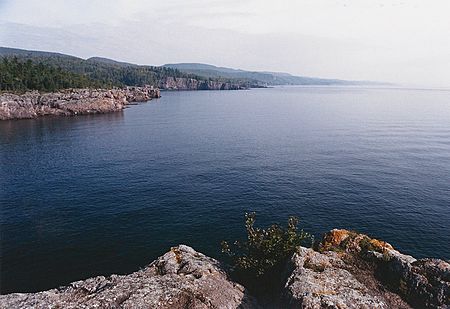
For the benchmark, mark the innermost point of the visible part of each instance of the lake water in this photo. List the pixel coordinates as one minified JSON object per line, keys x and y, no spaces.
{"x":104,"y":194}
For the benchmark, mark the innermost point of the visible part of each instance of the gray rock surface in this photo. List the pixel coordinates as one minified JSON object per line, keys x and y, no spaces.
{"x":347,"y":270}
{"x":71,"y":102}
{"x":181,"y":278}
{"x":323,"y":281}
{"x":398,"y":278}
{"x":424,"y":283}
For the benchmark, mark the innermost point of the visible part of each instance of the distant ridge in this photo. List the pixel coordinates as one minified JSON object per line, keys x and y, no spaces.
{"x":112,"y":72}
{"x":111,"y":62}
{"x":42,"y":55}
{"x":23,"y":53}
{"x":269,"y":78}
{"x":22,"y":67}
{"x":103,"y":72}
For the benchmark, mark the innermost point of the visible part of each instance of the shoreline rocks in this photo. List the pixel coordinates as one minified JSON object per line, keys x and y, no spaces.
{"x":345,"y":270}
{"x":71,"y":102}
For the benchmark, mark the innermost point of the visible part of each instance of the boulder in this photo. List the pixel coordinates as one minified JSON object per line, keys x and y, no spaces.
{"x":324,"y":280}
{"x":423,"y":283}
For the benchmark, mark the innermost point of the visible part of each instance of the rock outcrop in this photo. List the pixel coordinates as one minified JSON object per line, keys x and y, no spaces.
{"x":352,"y":270}
{"x":71,"y":102}
{"x":338,"y":275}
{"x":324,"y":281}
{"x":181,"y":278}
{"x":423,"y":283}
{"x":345,"y":270}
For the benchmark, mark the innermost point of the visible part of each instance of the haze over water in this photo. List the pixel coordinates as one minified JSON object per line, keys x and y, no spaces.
{"x":104,"y":194}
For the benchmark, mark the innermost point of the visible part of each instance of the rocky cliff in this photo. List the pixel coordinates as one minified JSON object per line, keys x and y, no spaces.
{"x":182,"y":83}
{"x":71,"y":102}
{"x":346,"y":270}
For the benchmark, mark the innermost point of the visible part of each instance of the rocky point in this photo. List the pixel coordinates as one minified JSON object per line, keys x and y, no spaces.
{"x":71,"y":102}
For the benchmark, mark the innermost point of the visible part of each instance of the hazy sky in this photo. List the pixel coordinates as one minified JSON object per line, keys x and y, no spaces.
{"x":405,"y":41}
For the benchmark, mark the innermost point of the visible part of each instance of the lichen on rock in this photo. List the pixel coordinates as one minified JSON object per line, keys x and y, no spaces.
{"x":321,"y":280}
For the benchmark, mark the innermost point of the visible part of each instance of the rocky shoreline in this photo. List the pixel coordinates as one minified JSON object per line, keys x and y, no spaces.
{"x":71,"y":102}
{"x":345,"y":270}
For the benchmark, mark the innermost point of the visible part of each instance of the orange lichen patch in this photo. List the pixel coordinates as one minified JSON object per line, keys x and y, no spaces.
{"x":178,"y":256}
{"x":381,"y":245}
{"x":348,"y":241}
{"x":320,"y":293}
{"x":333,"y":239}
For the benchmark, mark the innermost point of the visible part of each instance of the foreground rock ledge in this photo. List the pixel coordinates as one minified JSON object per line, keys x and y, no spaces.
{"x":181,"y":278}
{"x":71,"y":102}
{"x":346,"y":270}
{"x":352,"y":270}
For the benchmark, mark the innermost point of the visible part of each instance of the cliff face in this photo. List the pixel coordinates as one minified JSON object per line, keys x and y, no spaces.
{"x":71,"y":102}
{"x":347,"y":270}
{"x":181,"y":83}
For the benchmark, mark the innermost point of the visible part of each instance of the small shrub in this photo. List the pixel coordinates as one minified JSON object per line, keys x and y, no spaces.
{"x":261,"y":257}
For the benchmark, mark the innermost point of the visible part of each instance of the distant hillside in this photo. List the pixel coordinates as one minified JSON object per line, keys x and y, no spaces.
{"x":111,"y":62}
{"x":23,"y":53}
{"x":269,"y":78}
{"x":105,"y":71}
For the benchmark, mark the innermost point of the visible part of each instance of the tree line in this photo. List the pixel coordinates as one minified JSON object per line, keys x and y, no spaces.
{"x":50,"y":73}
{"x":16,"y":75}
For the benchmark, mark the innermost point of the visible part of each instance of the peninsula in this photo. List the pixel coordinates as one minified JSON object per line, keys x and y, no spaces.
{"x":72,"y":102}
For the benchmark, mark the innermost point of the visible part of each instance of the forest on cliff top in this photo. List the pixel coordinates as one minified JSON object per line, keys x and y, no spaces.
{"x":22,"y":70}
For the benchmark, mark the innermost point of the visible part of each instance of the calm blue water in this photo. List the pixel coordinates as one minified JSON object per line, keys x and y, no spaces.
{"x":108,"y":193}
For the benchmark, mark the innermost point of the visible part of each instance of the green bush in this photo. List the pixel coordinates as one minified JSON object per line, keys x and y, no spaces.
{"x":262,"y":255}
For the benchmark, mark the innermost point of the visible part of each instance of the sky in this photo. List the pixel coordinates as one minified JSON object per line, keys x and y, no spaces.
{"x":405,"y":42}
